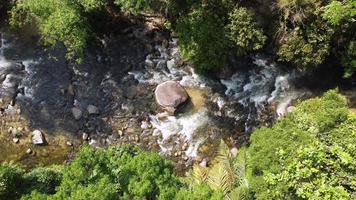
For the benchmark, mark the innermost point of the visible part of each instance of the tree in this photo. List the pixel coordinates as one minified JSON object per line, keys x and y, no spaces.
{"x":244,"y":32}
{"x":307,"y":155}
{"x":227,"y":174}
{"x":67,"y":21}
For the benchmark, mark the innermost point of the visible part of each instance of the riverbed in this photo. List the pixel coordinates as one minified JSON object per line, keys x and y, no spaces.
{"x":39,"y":89}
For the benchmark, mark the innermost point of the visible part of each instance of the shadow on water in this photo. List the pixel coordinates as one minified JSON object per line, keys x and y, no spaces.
{"x":53,"y":86}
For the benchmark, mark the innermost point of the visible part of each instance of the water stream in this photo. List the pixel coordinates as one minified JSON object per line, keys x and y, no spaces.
{"x":119,"y":79}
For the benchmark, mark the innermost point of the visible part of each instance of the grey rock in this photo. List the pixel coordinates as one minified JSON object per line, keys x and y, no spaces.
{"x":92,"y":110}
{"x":203,"y":163}
{"x":234,"y":151}
{"x":85,"y":136}
{"x":170,"y":95}
{"x":131,"y":92}
{"x":77,"y":113}
{"x":37,"y":137}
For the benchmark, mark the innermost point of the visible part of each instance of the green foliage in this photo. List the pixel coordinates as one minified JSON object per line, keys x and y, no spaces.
{"x":203,"y":39}
{"x":337,"y":11}
{"x":118,"y":172}
{"x":349,"y":59}
{"x":309,"y":154}
{"x":57,"y":21}
{"x":227,"y":175}
{"x":133,"y":6}
{"x":67,"y":21}
{"x":44,"y":179}
{"x":198,"y":192}
{"x":11,"y":181}
{"x":243,"y":31}
{"x":92,"y":5}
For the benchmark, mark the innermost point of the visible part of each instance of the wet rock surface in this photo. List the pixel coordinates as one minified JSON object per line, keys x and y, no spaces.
{"x":170,"y":95}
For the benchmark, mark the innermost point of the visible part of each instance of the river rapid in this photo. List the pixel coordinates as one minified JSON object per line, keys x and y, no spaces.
{"x":39,"y":88}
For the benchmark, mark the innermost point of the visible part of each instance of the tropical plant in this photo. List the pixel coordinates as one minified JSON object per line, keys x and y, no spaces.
{"x":227,"y":174}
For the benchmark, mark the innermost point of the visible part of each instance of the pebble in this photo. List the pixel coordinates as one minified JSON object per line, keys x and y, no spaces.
{"x":185,"y":146}
{"x":203,"y":163}
{"x":121,"y":133}
{"x":29,"y":151}
{"x":69,"y":143}
{"x":156,"y":132}
{"x":16,"y":140}
{"x":85,"y":136}
{"x":234,"y":151}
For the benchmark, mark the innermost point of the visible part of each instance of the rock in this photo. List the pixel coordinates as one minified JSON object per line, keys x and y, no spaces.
{"x":77,"y":113}
{"x":170,"y":95}
{"x":203,"y":163}
{"x":71,"y":90}
{"x":290,"y":109}
{"x":145,"y":125}
{"x":85,"y":136}
{"x":69,"y":143}
{"x":234,"y":151}
{"x":37,"y":137}
{"x":149,"y":63}
{"x":185,"y":146}
{"x":10,"y":130}
{"x":156,"y":132}
{"x":29,"y":151}
{"x":92,"y":110}
{"x":127,"y":107}
{"x":92,"y":142}
{"x":131,"y":92}
{"x":161,"y":65}
{"x":137,"y":139}
{"x":120,"y":133}
{"x":171,"y":64}
{"x":16,"y":140}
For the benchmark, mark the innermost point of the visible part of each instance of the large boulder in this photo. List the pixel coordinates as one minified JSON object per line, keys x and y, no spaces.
{"x":171,"y":95}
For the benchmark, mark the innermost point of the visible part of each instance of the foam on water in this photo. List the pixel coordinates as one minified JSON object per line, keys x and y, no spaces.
{"x":182,"y":127}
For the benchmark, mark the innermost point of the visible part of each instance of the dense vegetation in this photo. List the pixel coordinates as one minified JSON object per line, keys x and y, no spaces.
{"x":304,"y":33}
{"x":309,"y":154}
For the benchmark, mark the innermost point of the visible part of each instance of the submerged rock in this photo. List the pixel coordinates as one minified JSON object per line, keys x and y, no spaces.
{"x":77,"y":113}
{"x":171,"y":95}
{"x":37,"y":137}
{"x":92,"y":110}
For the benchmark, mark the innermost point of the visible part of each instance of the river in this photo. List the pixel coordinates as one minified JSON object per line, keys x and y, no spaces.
{"x":39,"y":88}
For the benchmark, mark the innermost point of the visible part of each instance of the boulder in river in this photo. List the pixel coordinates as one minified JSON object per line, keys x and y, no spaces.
{"x":92,"y":110}
{"x":170,"y":95}
{"x":77,"y":113}
{"x":37,"y":137}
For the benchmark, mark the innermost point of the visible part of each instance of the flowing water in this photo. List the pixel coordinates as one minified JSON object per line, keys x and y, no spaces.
{"x":119,"y":77}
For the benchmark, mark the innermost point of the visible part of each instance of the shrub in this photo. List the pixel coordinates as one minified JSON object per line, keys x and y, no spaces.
{"x":202,"y":39}
{"x":243,"y":31}
{"x":308,"y":154}
{"x":11,"y":181}
{"x":44,"y":179}
{"x":57,"y":21}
